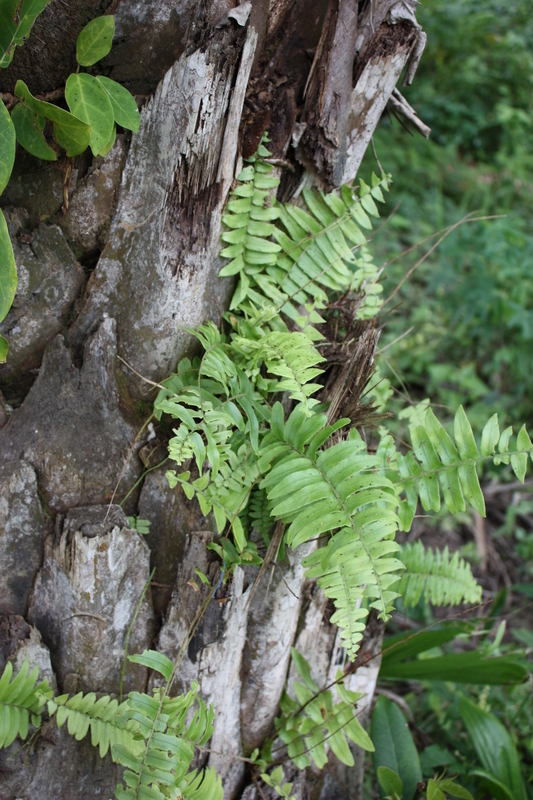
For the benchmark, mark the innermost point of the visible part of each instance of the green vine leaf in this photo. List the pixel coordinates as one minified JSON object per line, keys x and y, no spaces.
{"x":124,"y":106}
{"x":8,"y":278}
{"x":95,"y":40}
{"x":70,"y":132}
{"x":7,"y":146}
{"x":16,"y":21}
{"x":89,"y":102}
{"x":29,"y":129}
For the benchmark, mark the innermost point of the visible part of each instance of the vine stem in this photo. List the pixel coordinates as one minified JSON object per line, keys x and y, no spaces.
{"x":132,"y":623}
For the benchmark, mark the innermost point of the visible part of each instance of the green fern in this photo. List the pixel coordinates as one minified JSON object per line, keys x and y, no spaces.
{"x":312,"y":720}
{"x":316,"y":491}
{"x":153,"y":736}
{"x":161,"y":769}
{"x":438,"y":464}
{"x":105,"y":718}
{"x":250,"y":222}
{"x":312,"y":252}
{"x":21,"y":701}
{"x":318,"y":249}
{"x":290,"y":356}
{"x":436,"y":577}
{"x":260,"y":511}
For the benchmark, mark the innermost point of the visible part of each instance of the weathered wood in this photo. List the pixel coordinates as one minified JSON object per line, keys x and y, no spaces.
{"x":69,"y":427}
{"x":85,"y":598}
{"x":157,"y":272}
{"x":322,"y":148}
{"x":213,"y":657}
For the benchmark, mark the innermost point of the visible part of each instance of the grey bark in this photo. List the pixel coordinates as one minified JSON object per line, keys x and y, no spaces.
{"x":317,"y":76}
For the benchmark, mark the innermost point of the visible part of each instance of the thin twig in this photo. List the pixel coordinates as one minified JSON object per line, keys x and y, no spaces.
{"x":132,"y":623}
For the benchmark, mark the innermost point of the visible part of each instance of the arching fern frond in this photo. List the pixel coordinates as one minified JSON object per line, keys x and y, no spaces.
{"x":317,"y":491}
{"x":250,"y":226}
{"x":21,"y":702}
{"x":161,"y":770}
{"x":312,"y":722}
{"x":318,"y":248}
{"x":440,"y":464}
{"x":104,"y":717}
{"x":436,"y":577}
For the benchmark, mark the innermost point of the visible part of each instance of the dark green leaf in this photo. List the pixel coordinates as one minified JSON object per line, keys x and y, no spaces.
{"x":394,"y":745}
{"x":406,"y":645}
{"x":70,"y":132}
{"x":16,"y":20}
{"x":29,"y":127}
{"x":468,"y":667}
{"x":494,"y":747}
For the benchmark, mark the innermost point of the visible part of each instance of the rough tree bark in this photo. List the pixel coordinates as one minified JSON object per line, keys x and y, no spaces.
{"x":117,"y":271}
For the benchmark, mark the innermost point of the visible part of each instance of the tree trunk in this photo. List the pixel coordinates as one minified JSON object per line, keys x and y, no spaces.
{"x":116,"y":256}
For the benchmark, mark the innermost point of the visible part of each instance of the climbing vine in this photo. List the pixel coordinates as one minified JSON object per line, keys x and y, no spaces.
{"x":96,"y":106}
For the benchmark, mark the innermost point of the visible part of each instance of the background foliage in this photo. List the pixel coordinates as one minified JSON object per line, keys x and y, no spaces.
{"x":471,"y":301}
{"x":470,"y":305}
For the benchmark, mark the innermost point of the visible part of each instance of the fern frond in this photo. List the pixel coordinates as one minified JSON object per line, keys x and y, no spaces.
{"x":160,"y":770}
{"x":105,"y":718}
{"x":437,"y":577}
{"x":259,"y":510}
{"x":202,"y":785}
{"x":317,"y":491}
{"x":21,"y":701}
{"x":318,"y":249}
{"x":250,"y":226}
{"x":312,"y":722}
{"x":438,"y":464}
{"x":290,"y":356}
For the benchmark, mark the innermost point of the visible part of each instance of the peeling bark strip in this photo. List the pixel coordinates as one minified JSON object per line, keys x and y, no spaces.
{"x":322,"y":147}
{"x":385,"y":57}
{"x":158,"y":270}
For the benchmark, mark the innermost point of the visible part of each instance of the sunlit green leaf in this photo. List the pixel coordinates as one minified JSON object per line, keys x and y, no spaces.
{"x":124,"y":106}
{"x":8,"y":269}
{"x":90,"y":103}
{"x":7,"y":146}
{"x":95,"y":40}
